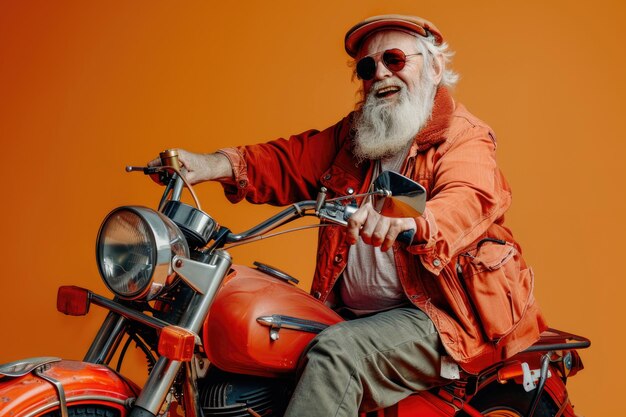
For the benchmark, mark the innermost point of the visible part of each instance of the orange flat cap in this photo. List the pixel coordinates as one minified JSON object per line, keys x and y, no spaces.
{"x":357,"y":34}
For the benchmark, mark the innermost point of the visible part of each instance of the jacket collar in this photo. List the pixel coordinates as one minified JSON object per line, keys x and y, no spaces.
{"x":436,"y":128}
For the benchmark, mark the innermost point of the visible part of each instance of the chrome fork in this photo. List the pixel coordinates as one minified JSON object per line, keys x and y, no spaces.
{"x":164,"y":373}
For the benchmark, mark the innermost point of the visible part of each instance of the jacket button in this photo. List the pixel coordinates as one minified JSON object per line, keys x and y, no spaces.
{"x":437,"y":262}
{"x":350,"y":191}
{"x":338,"y":258}
{"x":242,"y":184}
{"x":317,"y":295}
{"x":327,"y":177}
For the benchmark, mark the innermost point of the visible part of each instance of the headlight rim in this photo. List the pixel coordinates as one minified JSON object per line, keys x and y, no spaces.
{"x":159,"y":241}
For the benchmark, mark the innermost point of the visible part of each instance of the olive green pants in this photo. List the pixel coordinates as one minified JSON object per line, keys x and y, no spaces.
{"x":367,"y":364}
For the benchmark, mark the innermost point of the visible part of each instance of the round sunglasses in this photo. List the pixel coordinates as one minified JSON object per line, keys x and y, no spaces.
{"x":393,"y":59}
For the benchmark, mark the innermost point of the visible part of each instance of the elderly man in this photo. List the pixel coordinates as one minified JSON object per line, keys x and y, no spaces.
{"x":460,"y":292}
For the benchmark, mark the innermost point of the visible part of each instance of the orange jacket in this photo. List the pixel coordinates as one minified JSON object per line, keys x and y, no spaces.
{"x":464,"y":269}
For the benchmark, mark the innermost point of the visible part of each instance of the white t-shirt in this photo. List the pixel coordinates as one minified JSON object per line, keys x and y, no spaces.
{"x":370,"y":281}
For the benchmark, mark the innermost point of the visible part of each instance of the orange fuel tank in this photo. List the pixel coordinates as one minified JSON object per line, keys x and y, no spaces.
{"x":233,"y":339}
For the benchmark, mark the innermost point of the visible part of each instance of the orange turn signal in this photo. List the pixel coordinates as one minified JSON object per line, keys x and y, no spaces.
{"x":73,"y":301}
{"x":177,"y":343}
{"x":511,"y":371}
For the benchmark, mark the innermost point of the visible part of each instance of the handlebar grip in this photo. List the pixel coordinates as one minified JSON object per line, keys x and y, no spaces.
{"x":406,"y":236}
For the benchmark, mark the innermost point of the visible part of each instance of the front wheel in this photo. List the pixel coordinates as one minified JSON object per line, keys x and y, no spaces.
{"x":86,"y":411}
{"x":510,"y":400}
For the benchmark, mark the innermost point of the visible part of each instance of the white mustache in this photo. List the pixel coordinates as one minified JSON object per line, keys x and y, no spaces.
{"x":387,"y":82}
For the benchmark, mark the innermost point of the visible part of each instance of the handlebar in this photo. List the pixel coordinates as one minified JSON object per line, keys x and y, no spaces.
{"x":291,"y":213}
{"x":333,"y":211}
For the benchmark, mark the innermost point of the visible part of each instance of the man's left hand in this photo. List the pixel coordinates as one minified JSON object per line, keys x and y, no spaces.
{"x":376,"y":229}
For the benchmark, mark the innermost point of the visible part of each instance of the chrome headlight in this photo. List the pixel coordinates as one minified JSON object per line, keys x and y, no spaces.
{"x":134,"y":250}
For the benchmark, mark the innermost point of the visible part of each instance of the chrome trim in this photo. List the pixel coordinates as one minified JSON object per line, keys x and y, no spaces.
{"x":127,"y":312}
{"x":168,"y":188}
{"x":190,"y":389}
{"x":201,"y":365}
{"x":199,"y":307}
{"x":178,"y":188}
{"x":337,"y":213}
{"x":57,"y":385}
{"x":22,"y":367}
{"x":290,"y":213}
{"x":77,"y":399}
{"x":275,"y":272}
{"x":195,"y":273}
{"x":156,"y":225}
{"x":157,"y":386}
{"x":276,"y":322}
{"x":107,"y":339}
{"x":194,"y":223}
{"x":544,"y":374}
{"x":164,"y":373}
{"x":402,"y":197}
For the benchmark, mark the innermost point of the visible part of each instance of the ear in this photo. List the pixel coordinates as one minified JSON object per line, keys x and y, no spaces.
{"x":437,"y":68}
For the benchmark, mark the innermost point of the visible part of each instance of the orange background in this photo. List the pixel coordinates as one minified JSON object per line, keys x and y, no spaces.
{"x":88,"y":87}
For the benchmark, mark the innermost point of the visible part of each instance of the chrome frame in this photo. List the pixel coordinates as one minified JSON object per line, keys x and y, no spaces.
{"x":196,"y":223}
{"x":58,"y":386}
{"x":276,"y":322}
{"x":107,"y":339}
{"x":164,"y":373}
{"x":160,"y":242}
{"x":22,"y":367}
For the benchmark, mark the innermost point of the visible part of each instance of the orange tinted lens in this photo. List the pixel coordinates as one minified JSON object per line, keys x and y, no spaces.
{"x":394,"y":59}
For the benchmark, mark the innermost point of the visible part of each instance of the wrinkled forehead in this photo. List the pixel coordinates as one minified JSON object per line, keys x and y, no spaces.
{"x":388,"y":39}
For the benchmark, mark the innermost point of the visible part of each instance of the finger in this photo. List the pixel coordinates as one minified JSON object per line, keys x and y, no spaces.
{"x":184,"y":158}
{"x":370,"y":223}
{"x":387,"y":244}
{"x":156,"y":162}
{"x":352,"y":231}
{"x":390,"y":236}
{"x":355,"y":222}
{"x":397,"y":226}
{"x":380,"y":230}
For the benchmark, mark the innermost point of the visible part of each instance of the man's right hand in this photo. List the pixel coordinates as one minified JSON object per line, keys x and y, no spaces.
{"x":376,"y":229}
{"x":197,"y":167}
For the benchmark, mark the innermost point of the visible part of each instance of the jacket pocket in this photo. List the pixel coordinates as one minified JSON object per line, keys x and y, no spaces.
{"x":498,"y":284}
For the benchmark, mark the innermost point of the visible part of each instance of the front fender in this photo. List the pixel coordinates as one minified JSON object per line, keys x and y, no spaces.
{"x":31,"y":395}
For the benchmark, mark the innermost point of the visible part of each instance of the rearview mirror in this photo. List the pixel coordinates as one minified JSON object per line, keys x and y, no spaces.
{"x":407,"y":198}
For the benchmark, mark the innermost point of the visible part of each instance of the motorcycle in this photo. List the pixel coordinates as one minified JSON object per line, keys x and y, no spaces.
{"x":225,"y":340}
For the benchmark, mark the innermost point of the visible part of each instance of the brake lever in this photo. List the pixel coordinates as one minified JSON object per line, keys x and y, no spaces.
{"x":164,"y":175}
{"x":158,"y":174}
{"x":145,"y":170}
{"x":337,"y":213}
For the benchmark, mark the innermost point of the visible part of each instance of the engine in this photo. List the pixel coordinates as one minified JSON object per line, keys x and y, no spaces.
{"x":230,"y":395}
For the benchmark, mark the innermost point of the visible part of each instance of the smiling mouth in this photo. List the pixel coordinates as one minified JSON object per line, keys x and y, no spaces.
{"x":386,"y":92}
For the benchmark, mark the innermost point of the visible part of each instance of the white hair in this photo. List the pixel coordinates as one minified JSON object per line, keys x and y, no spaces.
{"x":429,"y":50}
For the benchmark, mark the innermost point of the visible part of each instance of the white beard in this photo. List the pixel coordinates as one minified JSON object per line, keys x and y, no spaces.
{"x":384,"y":128}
